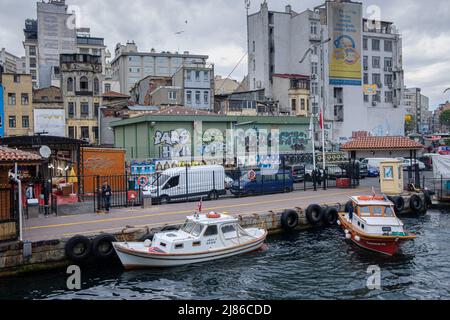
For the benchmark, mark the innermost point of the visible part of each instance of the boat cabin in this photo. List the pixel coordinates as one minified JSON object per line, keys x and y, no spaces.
{"x":201,"y":232}
{"x":375,"y":216}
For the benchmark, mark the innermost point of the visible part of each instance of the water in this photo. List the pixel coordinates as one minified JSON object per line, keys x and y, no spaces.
{"x":316,"y":264}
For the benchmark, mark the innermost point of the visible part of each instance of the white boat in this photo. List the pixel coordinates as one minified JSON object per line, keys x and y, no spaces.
{"x":203,"y":237}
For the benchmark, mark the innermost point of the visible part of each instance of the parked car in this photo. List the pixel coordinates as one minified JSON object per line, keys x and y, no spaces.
{"x":407,"y":164}
{"x":308,"y":172}
{"x":373,"y":172}
{"x":297,"y":171}
{"x":194,"y":183}
{"x":363,"y":168}
{"x":228,"y":182}
{"x":263,"y":183}
{"x":336,"y":171}
{"x":374,"y":162}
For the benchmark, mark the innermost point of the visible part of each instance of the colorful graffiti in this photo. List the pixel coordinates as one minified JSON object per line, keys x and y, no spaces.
{"x":296,"y":140}
{"x":213,"y":143}
{"x":174,"y":143}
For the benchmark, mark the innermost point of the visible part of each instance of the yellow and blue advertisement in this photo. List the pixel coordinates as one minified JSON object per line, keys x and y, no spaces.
{"x":345,"y":24}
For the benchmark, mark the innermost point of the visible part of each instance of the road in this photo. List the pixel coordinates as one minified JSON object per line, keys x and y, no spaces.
{"x":88,"y":224}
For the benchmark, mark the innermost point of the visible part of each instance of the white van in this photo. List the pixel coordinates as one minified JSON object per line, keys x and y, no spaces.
{"x":375,"y":162}
{"x":191,"y":183}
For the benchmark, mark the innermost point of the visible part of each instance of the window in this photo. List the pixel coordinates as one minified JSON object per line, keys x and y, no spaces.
{"x":376,"y":97}
{"x":387,"y":64}
{"x":197,"y":97}
{"x":12,"y":121}
{"x":254,"y":64}
{"x":366,"y":78}
{"x":254,"y":46}
{"x":375,"y":45}
{"x":95,"y":52}
{"x":211,"y":231}
{"x":172,"y":95}
{"x":24,"y":99}
{"x":107,"y":87}
{"x":314,"y":68}
{"x":377,"y":211}
{"x":366,"y":98}
{"x":179,"y":246}
{"x":32,"y":51}
{"x":12,"y":99}
{"x":84,"y":50}
{"x":189,"y":97}
{"x":84,"y":84}
{"x":376,"y":62}
{"x":32,"y":62}
{"x":95,"y":132}
{"x":388,"y":80}
{"x":197,"y":230}
{"x":388,"y":45}
{"x":84,"y":132}
{"x":365,"y":44}
{"x":96,"y":109}
{"x":25,"y":121}
{"x":69,"y":85}
{"x":16,"y":78}
{"x":314,"y":88}
{"x":72,"y":132}
{"x":388,"y":96}
{"x":71,"y":109}
{"x":376,"y":78}
{"x":364,"y":211}
{"x":96,"y":87}
{"x":366,"y":62}
{"x":314,"y":28}
{"x":188,"y":75}
{"x":206,"y":97}
{"x":294,"y":104}
{"x":197,"y":75}
{"x":206,"y":74}
{"x":172,"y":183}
{"x":84,"y":109}
{"x":302,"y":105}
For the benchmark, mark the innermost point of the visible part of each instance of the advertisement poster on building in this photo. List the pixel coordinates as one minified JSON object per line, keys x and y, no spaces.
{"x":344,"y":20}
{"x":50,"y":122}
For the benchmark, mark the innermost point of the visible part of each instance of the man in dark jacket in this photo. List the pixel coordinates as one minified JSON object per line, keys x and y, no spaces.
{"x":106,"y":195}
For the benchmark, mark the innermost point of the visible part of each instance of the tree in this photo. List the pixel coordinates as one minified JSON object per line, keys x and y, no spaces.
{"x":444,"y":118}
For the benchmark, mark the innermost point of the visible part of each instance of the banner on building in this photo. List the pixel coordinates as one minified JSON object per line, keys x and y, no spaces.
{"x":50,"y":122}
{"x":370,"y":89}
{"x":345,"y":24}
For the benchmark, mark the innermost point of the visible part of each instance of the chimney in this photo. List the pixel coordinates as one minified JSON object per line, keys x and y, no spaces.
{"x":288,"y":9}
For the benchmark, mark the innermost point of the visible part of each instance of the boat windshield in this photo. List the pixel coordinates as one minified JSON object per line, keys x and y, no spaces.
{"x":388,"y":212}
{"x":197,"y":230}
{"x":192,"y":228}
{"x":364,"y":211}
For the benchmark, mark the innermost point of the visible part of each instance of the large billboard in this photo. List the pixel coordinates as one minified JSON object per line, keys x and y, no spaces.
{"x":344,"y":25}
{"x":50,"y":122}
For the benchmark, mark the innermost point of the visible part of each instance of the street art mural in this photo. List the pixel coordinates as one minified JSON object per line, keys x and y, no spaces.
{"x":213,"y":144}
{"x":174,"y":143}
{"x":295,"y":140}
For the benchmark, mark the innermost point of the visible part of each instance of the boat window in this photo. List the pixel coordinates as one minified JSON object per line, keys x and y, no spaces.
{"x":377,"y":211}
{"x":196,"y":243}
{"x":364,"y":211}
{"x":162,"y":244}
{"x":228,"y":228}
{"x":388,"y":212}
{"x":197,"y":230}
{"x":188,"y":226}
{"x":179,"y":246}
{"x":211,"y":231}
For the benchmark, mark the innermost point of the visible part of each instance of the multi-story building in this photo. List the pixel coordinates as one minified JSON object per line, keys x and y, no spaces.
{"x":12,"y":63}
{"x":143,"y":89}
{"x":30,"y":45}
{"x":197,"y":83}
{"x":418,"y":108}
{"x":81,"y":83}
{"x":341,"y":64}
{"x":2,"y":109}
{"x":130,"y":66}
{"x":17,"y":104}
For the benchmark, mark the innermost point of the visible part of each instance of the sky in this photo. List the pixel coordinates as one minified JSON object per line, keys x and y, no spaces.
{"x":218,"y":28}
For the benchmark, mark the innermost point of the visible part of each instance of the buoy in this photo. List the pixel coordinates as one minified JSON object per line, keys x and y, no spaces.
{"x":346,"y":231}
{"x":339,"y":223}
{"x":148,"y":243}
{"x":357,"y":238}
{"x":348,"y":236}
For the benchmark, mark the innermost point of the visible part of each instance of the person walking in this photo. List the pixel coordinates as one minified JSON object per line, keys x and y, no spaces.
{"x":106,"y":195}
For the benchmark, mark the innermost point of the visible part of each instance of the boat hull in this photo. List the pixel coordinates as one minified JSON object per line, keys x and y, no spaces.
{"x":138,"y":260}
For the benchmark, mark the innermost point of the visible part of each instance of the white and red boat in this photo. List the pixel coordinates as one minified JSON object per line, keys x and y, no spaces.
{"x":373,"y":225}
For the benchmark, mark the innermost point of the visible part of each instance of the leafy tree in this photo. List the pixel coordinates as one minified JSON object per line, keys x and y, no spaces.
{"x":444,"y":118}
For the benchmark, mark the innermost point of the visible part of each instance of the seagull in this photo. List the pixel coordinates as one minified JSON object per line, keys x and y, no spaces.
{"x":179,"y":32}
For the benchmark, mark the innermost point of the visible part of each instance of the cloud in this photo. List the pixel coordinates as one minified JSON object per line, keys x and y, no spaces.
{"x":218,"y":28}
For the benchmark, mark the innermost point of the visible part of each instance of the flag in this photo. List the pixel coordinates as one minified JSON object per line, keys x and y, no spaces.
{"x":200,"y":205}
{"x":321,"y":120}
{"x":311,"y":128}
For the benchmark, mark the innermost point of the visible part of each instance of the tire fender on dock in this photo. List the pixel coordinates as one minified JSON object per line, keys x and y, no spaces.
{"x":314,"y":214}
{"x":416,"y":204}
{"x":78,"y":248}
{"x":399,"y":204}
{"x":289,"y":220}
{"x":330,"y":216}
{"x":102,"y":246}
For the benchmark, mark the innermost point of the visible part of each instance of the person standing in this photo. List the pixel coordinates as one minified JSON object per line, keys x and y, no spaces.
{"x":106,"y":195}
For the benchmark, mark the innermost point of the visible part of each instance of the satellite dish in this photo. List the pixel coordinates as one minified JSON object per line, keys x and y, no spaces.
{"x":45,"y":152}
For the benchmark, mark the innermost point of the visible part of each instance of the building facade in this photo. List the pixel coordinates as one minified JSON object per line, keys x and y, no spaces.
{"x":12,"y":63}
{"x":279,"y":41}
{"x":2,"y":109}
{"x":49,"y":113}
{"x":17,"y":105}
{"x":197,"y":83}
{"x":418,"y":109}
{"x":30,"y":45}
{"x":130,"y":66}
{"x":81,"y":79}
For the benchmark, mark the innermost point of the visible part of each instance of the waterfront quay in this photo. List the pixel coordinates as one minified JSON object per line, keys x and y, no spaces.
{"x":47,"y":236}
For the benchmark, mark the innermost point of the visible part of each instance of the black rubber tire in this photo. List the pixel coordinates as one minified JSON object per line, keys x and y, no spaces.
{"x":416,"y":204}
{"x":348,"y":205}
{"x":99,"y":244}
{"x":399,"y":204}
{"x":314,"y":214}
{"x":330,"y":216}
{"x":148,"y":236}
{"x":428,"y":200}
{"x":289,"y":220}
{"x":78,"y":248}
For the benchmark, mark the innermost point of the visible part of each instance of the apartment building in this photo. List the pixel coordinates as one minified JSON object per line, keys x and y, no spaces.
{"x":130,"y":66}
{"x":418,"y":108}
{"x":342,"y":69}
{"x":12,"y":63}
{"x":17,"y":104}
{"x":82,"y":80}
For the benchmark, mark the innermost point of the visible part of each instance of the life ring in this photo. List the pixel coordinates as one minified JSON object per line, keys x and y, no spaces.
{"x":416,"y":204}
{"x":142,"y":181}
{"x":213,"y":215}
{"x":330,"y":216}
{"x":399,"y":204}
{"x":314,"y":214}
{"x":102,"y":246}
{"x":289,"y":220}
{"x":251,"y":175}
{"x":370,"y":198}
{"x":78,"y":248}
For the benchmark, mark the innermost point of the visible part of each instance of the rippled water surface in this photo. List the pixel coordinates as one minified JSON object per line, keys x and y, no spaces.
{"x":317,"y":264}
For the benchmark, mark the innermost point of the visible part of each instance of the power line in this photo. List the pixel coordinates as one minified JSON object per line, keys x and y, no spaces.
{"x":234,"y":69}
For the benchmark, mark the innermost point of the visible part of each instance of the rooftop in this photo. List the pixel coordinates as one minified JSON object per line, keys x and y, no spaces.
{"x":114,"y":94}
{"x":382,"y":143}
{"x":291,"y":76}
{"x":13,"y":155}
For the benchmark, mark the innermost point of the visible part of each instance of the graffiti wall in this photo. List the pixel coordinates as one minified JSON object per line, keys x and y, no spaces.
{"x":174,"y":143}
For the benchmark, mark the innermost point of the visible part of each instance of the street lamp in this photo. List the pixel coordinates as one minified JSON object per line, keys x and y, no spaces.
{"x":322,"y":96}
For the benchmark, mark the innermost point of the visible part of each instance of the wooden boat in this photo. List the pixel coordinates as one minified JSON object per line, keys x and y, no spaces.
{"x":373,"y":225}
{"x":204,"y":237}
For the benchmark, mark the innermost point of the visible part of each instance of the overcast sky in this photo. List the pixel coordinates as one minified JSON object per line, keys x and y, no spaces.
{"x":218,"y":28}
